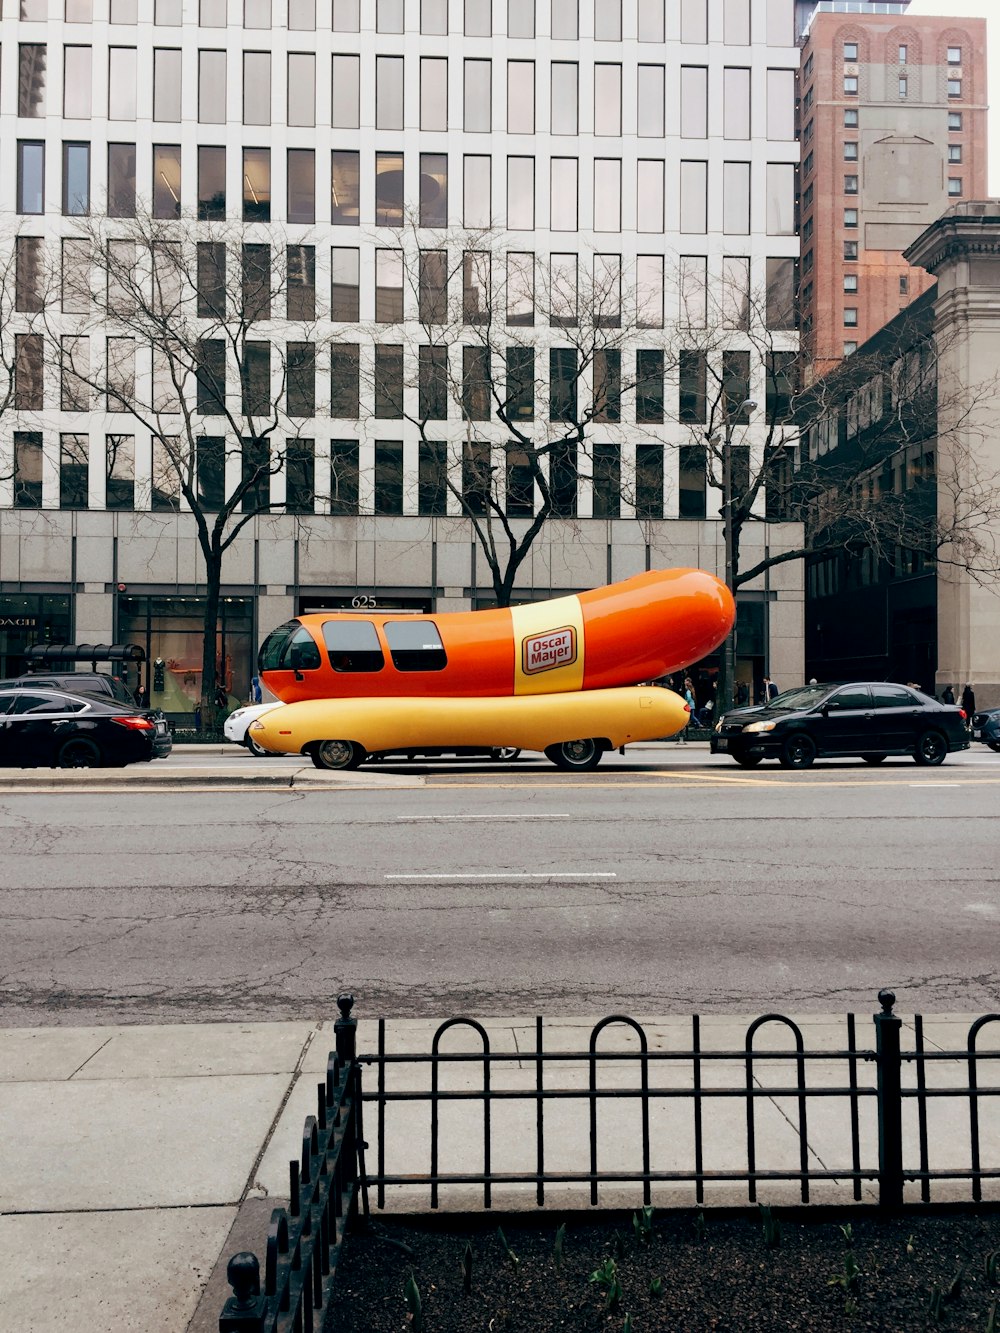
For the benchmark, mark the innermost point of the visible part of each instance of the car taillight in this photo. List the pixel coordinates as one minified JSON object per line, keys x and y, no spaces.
{"x":135,"y":723}
{"x":962,"y":714}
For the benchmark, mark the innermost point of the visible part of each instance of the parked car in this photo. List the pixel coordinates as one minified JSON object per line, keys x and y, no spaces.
{"x":986,"y":727}
{"x":77,"y":682}
{"x":235,"y":727}
{"x":42,"y":727}
{"x":864,"y":719}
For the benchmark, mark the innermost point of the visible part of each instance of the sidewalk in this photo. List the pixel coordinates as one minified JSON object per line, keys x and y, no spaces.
{"x":133,"y":1160}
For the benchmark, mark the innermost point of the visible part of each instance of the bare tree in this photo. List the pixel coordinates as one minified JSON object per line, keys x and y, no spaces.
{"x":853,"y":457}
{"x":182,"y":333}
{"x":527,"y":357}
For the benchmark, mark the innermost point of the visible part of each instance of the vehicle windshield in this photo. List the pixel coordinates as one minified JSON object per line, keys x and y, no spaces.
{"x":806,"y":697}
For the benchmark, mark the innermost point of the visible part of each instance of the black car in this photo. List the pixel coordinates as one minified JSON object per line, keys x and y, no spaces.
{"x":863,"y":719}
{"x":986,"y":727}
{"x":76,"y":682}
{"x":52,"y":728}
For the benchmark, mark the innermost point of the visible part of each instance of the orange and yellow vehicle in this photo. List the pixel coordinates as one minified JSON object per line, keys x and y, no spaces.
{"x":565,"y":659}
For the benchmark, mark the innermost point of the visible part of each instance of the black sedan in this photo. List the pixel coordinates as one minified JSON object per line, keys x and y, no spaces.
{"x":866,"y":720}
{"x":47,"y":728}
{"x":986,"y":727}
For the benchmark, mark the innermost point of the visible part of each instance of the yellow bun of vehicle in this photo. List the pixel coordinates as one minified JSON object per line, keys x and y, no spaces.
{"x":573,"y":729}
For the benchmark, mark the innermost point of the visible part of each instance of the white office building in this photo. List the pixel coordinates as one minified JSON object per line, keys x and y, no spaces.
{"x":643,"y":146}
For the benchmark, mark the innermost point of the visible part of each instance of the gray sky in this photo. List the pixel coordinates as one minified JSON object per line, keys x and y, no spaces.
{"x":986,"y":9}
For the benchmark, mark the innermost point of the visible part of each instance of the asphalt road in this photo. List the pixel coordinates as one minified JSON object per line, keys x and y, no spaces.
{"x":667,"y":881}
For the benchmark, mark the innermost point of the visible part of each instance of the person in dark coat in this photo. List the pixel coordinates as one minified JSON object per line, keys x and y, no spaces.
{"x":969,"y":704}
{"x":948,"y":695}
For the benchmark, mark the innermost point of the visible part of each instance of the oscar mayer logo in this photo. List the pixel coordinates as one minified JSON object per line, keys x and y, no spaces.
{"x":544,"y":652}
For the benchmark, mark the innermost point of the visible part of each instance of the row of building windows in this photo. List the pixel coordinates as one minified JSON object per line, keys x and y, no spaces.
{"x":391,"y":376}
{"x":298,"y":466}
{"x":953,"y":54}
{"x":480,"y":18}
{"x":386,"y":192}
{"x":347,"y":95}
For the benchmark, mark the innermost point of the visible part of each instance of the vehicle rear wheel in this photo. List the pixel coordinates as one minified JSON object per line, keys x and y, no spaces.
{"x":337,"y":754}
{"x":798,"y":751}
{"x":748,"y":760}
{"x":994,"y":745}
{"x":873,"y":758}
{"x":579,"y":755}
{"x":505,"y":753}
{"x":931,"y":749}
{"x":256,"y":750}
{"x":80,"y":752}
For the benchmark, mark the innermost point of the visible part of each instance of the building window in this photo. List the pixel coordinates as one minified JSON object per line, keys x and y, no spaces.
{"x":301,"y":369}
{"x":649,"y":369}
{"x":166,"y":181}
{"x":851,"y":317}
{"x":478,"y":97}
{"x":608,"y":101}
{"x":302,"y":15}
{"x":850,"y":85}
{"x":256,"y":87}
{"x":851,"y":151}
{"x":432,"y":383}
{"x":76,"y":180}
{"x":521,"y":96}
{"x":119,"y":454}
{"x":388,"y":382}
{"x":649,"y":481}
{"x":256,"y":13}
{"x":300,"y":468}
{"x":345,"y":381}
{"x":389,"y":15}
{"x":693,"y":371}
{"x":166,"y":84}
{"x":850,"y":347}
{"x":211,"y":88}
{"x":345,"y":298}
{"x":388,"y":286}
{"x":954,"y":152}
{"x":344,"y":473}
{"x":850,"y":217}
{"x":389,"y":189}
{"x":432,"y":478}
{"x":564,"y":115}
{"x":954,"y":121}
{"x":563,"y":193}
{"x":433,"y":189}
{"x":211,"y":184}
{"x":850,"y":184}
{"x":476,"y":383}
{"x":607,"y":483}
{"x":850,"y":52}
{"x":32,"y":58}
{"x":954,"y":87}
{"x":434,"y":93}
{"x":850,"y":282}
{"x":300,"y":263}
{"x":256,"y":184}
{"x":30,"y":177}
{"x":388,"y":92}
{"x":434,"y":18}
{"x":27,"y":469}
{"x":904,"y":284}
{"x":691,"y":481}
{"x":850,"y":249}
{"x":256,"y":378}
{"x":301,"y":89}
{"x":210,"y":378}
{"x":388,"y":496}
{"x":520,"y":288}
{"x":256,"y":282}
{"x":607,"y":378}
{"x":954,"y":185}
{"x":954,"y":55}
{"x":903,"y":87}
{"x":345,"y":103}
{"x":346,"y":189}
{"x":521,"y":18}
{"x":121,"y":180}
{"x":565,"y":20}
{"x":519,"y":402}
{"x":301,"y":185}
{"x":850,"y":118}
{"x":432,"y":288}
{"x":902,"y":55}
{"x":74,"y":367}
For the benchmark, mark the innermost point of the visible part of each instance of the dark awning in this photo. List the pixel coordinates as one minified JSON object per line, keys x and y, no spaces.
{"x":47,"y":655}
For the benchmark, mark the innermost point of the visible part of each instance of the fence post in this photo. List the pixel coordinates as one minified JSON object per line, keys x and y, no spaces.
{"x":346,"y":1032}
{"x":890,"y":1104}
{"x":245,"y":1310}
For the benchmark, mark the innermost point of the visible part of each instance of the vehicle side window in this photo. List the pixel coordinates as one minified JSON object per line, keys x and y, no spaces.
{"x":273,"y":648}
{"x":30,"y":703}
{"x":121,"y":692}
{"x":415,"y":645}
{"x":302,"y":654}
{"x":353,"y":645}
{"x":7,"y":702}
{"x":60,"y":706}
{"x":856,"y":696}
{"x":893,"y":696}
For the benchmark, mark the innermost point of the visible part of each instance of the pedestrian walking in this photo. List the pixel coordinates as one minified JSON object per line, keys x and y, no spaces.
{"x":770,"y":689}
{"x":968,"y":704}
{"x":947,"y":695}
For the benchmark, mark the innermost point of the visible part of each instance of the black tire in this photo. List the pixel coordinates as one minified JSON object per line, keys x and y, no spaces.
{"x":873,"y":758}
{"x":798,"y":751}
{"x":79,"y":752}
{"x":256,"y":750}
{"x":337,"y":754}
{"x":931,"y":749}
{"x":994,"y":746}
{"x":505,"y":754}
{"x":577,"y":755}
{"x":748,"y":760}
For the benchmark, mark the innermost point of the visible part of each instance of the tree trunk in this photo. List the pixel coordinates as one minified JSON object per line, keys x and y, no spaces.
{"x":210,"y":714}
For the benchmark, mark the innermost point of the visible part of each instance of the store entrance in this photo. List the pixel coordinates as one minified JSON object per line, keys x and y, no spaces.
{"x":27,"y":619}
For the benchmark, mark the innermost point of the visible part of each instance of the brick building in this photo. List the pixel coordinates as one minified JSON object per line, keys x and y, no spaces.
{"x":892,"y":122}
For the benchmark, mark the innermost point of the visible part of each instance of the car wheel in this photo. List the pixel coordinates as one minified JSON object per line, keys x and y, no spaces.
{"x":256,"y":750}
{"x":798,"y":751}
{"x":80,"y":752}
{"x":337,"y":754}
{"x":994,"y":745}
{"x":504,"y":753}
{"x":580,"y":755}
{"x":748,"y":760}
{"x":931,"y":749}
{"x":873,"y":758}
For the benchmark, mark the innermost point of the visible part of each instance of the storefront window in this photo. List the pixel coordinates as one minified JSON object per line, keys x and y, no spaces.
{"x":170,"y":629}
{"x":27,"y":619}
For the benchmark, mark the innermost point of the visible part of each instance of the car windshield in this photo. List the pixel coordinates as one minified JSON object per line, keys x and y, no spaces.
{"x":806,"y":697}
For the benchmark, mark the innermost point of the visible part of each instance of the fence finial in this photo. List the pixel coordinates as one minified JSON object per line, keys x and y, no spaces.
{"x":243,"y":1275}
{"x":345,"y":1003}
{"x":886,"y":999}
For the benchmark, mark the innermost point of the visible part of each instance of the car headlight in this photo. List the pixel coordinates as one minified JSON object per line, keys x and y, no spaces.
{"x":237,"y":712}
{"x":760,"y":726}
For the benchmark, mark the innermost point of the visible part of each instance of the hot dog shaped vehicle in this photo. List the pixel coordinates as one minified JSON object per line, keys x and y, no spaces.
{"x":341,"y":733}
{"x":636,"y":630}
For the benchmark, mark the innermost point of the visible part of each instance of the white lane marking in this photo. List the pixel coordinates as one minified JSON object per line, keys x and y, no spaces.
{"x":935,"y":784}
{"x":515,"y":874}
{"x":984,"y":909}
{"x":407,"y":819}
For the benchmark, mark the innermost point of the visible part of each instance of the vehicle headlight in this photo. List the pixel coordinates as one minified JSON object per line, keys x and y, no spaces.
{"x":237,"y":712}
{"x":760,"y":726}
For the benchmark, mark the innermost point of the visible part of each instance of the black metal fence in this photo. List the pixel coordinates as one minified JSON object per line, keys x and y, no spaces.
{"x":883,"y":1118}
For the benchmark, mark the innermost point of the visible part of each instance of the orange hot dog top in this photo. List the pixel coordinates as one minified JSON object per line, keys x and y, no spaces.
{"x":639,"y":629}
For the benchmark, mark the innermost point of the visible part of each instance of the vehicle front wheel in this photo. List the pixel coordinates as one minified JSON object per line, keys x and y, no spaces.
{"x":748,"y":760}
{"x":256,"y":750}
{"x":80,"y":752}
{"x":337,"y":754}
{"x":579,"y":755}
{"x":931,"y":749}
{"x":798,"y":751}
{"x":994,"y":746}
{"x":873,"y":758}
{"x":504,"y":753}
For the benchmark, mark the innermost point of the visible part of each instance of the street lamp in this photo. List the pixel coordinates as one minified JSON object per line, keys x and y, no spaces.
{"x":747,"y":406}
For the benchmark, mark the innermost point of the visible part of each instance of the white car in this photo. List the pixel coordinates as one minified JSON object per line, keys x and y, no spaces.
{"x":236,"y":725}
